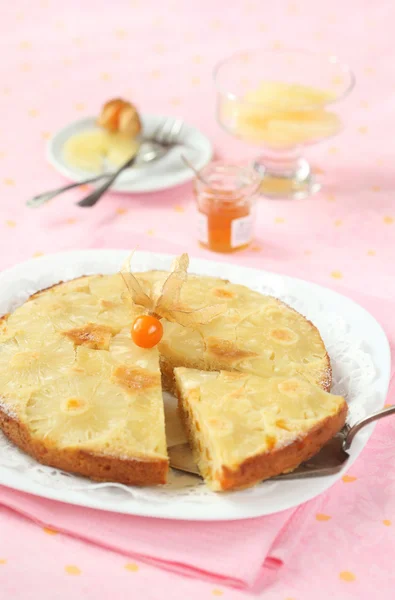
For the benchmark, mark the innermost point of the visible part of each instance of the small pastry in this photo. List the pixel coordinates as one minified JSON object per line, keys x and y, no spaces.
{"x":119,"y":115}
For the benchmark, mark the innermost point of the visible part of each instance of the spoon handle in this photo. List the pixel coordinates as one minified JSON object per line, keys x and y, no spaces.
{"x":384,"y":412}
{"x":197,"y":173}
{"x":47,"y":196}
{"x":93,"y":197}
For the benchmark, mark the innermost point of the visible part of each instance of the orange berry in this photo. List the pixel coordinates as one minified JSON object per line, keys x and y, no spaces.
{"x":147,"y":331}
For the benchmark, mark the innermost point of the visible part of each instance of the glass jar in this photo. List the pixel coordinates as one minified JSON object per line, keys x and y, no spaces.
{"x":225,"y":204}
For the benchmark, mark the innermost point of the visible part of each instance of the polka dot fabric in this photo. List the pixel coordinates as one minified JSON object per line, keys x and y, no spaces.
{"x":63,"y":61}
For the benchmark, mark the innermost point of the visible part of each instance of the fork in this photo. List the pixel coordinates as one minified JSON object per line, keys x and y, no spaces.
{"x":163,"y":139}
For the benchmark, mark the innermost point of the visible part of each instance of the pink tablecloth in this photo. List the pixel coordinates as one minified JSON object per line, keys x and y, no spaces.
{"x":60,"y":61}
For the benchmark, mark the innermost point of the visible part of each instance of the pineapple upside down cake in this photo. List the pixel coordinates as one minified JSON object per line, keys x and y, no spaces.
{"x":83,"y":364}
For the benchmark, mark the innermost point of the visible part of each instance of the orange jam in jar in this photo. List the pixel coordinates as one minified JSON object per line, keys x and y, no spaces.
{"x":225,"y":203}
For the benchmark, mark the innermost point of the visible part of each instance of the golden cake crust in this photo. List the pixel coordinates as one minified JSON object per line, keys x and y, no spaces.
{"x":266,"y":465}
{"x":97,"y":467}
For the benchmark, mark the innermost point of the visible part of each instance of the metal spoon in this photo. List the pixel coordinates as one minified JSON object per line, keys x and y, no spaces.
{"x":147,"y":152}
{"x":45,"y":197}
{"x":328,"y":461}
{"x":197,"y":173}
{"x":166,"y":136}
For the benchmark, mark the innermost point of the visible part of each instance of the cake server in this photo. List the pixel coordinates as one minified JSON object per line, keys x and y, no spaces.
{"x":328,"y":461}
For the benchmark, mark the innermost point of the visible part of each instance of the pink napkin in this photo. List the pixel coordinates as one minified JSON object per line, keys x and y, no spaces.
{"x":237,"y":553}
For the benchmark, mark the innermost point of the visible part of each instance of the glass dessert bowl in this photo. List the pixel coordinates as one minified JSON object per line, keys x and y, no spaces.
{"x":282,"y":101}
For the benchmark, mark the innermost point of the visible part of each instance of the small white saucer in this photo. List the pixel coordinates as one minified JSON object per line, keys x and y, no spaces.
{"x":159,"y":175}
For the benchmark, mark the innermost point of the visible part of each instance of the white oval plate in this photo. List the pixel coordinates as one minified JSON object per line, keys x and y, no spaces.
{"x":361,"y":369}
{"x":162,"y":174}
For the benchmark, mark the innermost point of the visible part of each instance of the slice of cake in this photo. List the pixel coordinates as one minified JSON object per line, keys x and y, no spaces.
{"x":244,"y":429}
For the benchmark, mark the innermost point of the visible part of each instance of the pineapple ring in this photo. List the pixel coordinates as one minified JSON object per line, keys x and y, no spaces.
{"x":284,"y":336}
{"x":74,"y":406}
